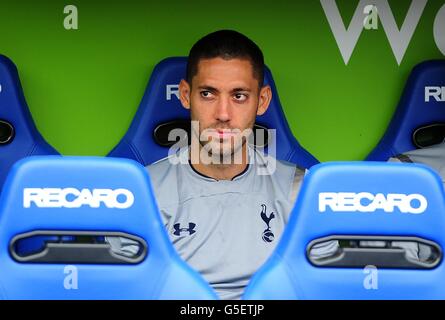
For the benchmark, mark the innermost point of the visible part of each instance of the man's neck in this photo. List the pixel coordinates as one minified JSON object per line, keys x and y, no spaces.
{"x":220,"y":171}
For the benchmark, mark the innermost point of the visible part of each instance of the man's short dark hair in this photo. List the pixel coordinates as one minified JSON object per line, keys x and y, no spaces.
{"x":226,"y":44}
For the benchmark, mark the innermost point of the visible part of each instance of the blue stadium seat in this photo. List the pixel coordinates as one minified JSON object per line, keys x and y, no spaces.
{"x":161,"y":105}
{"x":325,"y":209}
{"x":414,"y":112}
{"x":19,"y":137}
{"x":89,"y":197}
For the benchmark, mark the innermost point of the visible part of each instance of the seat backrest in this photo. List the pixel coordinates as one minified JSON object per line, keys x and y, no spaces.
{"x":19,"y":136}
{"x":420,"y":110}
{"x":353,"y":203}
{"x":90,"y":197}
{"x":161,"y":105}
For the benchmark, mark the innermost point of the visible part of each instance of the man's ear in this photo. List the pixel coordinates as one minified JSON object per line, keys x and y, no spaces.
{"x":184,"y":93}
{"x":264,"y":101}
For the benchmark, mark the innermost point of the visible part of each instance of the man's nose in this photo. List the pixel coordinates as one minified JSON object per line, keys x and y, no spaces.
{"x":223,"y":110}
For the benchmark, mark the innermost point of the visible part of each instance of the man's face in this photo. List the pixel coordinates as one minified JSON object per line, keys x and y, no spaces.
{"x":224,"y":97}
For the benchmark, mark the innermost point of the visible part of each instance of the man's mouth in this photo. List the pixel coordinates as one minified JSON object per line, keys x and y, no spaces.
{"x":224,"y":133}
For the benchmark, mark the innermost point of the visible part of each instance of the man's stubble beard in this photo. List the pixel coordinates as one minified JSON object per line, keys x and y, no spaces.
{"x":228,"y":153}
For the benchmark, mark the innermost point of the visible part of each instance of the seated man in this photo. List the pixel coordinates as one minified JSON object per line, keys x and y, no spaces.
{"x":224,"y":202}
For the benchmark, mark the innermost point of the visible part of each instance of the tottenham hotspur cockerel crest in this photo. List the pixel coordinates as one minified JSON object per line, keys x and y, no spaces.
{"x":268,"y":235}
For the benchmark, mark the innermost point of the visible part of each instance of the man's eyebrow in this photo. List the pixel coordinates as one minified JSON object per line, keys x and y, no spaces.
{"x":241,"y":89}
{"x":208,"y":88}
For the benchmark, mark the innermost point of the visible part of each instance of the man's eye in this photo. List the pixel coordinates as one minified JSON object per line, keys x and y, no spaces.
{"x":240,"y":97}
{"x":206,"y":94}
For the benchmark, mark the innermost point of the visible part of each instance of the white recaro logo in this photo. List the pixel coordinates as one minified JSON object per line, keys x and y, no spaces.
{"x":172,"y":90}
{"x":73,"y":198}
{"x":438,"y":93}
{"x":368,"y":202}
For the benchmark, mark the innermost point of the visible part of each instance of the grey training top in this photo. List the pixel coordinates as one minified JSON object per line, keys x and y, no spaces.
{"x":225,"y":229}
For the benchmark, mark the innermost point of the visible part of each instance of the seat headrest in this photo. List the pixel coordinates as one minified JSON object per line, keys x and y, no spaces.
{"x":421,"y":106}
{"x":81,"y":194}
{"x":19,"y":136}
{"x":389,"y":202}
{"x":370,"y":199}
{"x":96,"y":197}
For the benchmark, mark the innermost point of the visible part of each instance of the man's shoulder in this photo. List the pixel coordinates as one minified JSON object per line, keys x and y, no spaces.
{"x":286,"y":176}
{"x":164,"y":179}
{"x":289,"y":166}
{"x":168,"y":164}
{"x":279,"y":168}
{"x":294,"y":176}
{"x":162,"y":164}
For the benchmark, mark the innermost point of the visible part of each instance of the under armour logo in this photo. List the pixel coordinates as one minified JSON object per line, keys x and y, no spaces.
{"x":178,"y":229}
{"x":268,"y":235}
